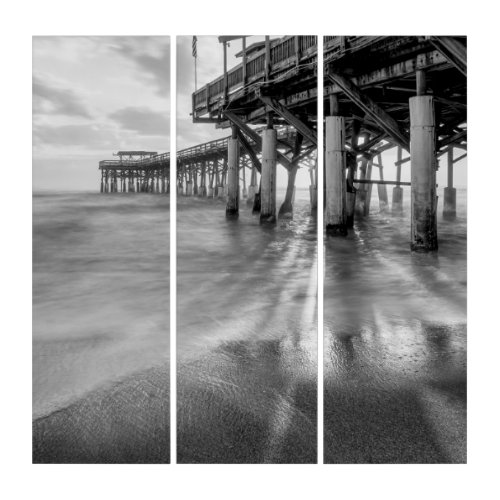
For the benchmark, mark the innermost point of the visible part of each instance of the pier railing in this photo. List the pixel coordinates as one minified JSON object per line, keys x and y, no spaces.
{"x":285,"y":53}
{"x":155,"y":161}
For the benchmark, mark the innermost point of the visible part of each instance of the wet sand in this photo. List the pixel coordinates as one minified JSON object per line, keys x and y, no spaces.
{"x":127,"y":422}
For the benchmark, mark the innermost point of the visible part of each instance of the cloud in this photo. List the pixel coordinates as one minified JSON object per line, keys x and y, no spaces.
{"x":152,"y":57}
{"x":142,"y":120}
{"x":48,"y":99}
{"x":87,"y":137}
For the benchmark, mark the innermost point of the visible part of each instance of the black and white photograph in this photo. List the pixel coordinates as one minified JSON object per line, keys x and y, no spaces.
{"x":246,"y":249}
{"x":395,"y":273}
{"x":249,"y":266}
{"x":101,"y":249}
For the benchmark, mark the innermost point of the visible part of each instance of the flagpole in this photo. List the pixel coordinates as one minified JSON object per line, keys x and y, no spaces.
{"x":195,"y":55}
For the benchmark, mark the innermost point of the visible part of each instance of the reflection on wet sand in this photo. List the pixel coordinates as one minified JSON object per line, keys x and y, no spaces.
{"x":246,"y":338}
{"x":395,"y":345}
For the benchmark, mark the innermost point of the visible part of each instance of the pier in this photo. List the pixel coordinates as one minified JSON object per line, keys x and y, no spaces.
{"x":274,"y":86}
{"x":136,"y":172}
{"x":380,"y":93}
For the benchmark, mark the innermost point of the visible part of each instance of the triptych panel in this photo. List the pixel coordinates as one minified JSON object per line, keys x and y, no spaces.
{"x":320,"y":265}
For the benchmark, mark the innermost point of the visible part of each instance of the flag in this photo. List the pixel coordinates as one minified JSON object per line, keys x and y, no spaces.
{"x":194,"y":46}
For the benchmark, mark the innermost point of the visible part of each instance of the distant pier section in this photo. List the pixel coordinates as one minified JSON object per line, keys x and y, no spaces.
{"x":136,"y":172}
{"x":202,"y":170}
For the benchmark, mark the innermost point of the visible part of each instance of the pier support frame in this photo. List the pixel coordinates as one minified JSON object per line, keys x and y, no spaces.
{"x":423,"y":174}
{"x":268,"y":177}
{"x":233,"y":177}
{"x":335,"y":172}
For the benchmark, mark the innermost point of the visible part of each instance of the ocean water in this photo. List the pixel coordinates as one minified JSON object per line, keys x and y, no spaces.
{"x":394,"y":337}
{"x":246,"y":335}
{"x":100,"y":294}
{"x":395,"y":341}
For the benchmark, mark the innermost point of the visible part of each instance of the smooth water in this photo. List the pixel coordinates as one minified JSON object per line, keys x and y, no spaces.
{"x":100,"y":292}
{"x":395,"y":342}
{"x":246,"y":335}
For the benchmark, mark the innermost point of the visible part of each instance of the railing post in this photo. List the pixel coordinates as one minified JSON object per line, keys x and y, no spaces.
{"x":244,"y":61}
{"x":297,"y":50}
{"x":267,"y":61}
{"x":225,"y":71}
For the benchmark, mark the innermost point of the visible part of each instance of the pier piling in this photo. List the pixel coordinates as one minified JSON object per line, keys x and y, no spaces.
{"x":382,"y":188}
{"x":335,"y":179}
{"x":268,"y":177}
{"x":397,"y":191}
{"x":233,"y":178}
{"x":450,"y":193}
{"x":423,"y":173}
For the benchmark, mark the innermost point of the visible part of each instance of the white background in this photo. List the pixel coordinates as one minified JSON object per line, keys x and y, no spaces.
{"x":20,"y":479}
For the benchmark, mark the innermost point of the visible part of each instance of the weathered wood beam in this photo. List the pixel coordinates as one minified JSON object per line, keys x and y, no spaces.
{"x":390,"y":183}
{"x":290,"y":118}
{"x":240,"y":124}
{"x":449,"y":102}
{"x":404,"y":160}
{"x":461,"y":157}
{"x":205,"y":120}
{"x":250,"y":151}
{"x":371,"y":108}
{"x":371,"y":143}
{"x":303,"y":155}
{"x":432,"y":59}
{"x":454,"y":50}
{"x":380,"y":149}
{"x":458,"y":137}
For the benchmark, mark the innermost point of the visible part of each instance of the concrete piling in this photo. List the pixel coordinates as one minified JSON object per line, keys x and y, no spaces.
{"x":335,"y":178}
{"x":423,"y":174}
{"x":233,"y":178}
{"x":268,"y":177}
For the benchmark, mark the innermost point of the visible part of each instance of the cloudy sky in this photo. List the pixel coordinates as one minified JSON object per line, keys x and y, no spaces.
{"x":93,"y":96}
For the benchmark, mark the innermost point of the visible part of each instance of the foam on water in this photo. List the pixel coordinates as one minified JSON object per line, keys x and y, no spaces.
{"x":247,"y":335}
{"x":100,"y":292}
